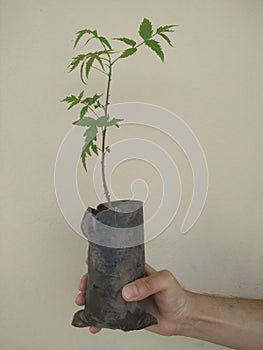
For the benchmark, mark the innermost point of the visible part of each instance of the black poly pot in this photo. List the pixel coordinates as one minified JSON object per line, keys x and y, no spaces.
{"x":116,"y":257}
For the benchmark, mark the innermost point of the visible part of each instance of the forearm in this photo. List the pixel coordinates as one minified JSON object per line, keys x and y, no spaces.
{"x":235,"y":323}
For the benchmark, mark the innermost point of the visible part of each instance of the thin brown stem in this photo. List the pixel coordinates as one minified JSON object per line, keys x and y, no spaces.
{"x":105,"y":187}
{"x":103,"y":147}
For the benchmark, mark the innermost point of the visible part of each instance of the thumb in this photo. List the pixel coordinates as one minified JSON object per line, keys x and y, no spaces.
{"x":144,"y":287}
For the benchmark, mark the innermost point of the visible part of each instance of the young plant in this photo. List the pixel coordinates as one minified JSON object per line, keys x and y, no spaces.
{"x":103,"y":61}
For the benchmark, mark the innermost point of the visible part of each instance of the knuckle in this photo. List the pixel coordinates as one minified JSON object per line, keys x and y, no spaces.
{"x":167,"y":275}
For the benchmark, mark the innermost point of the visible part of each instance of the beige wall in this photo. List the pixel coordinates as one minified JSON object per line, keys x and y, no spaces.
{"x":213,"y":80}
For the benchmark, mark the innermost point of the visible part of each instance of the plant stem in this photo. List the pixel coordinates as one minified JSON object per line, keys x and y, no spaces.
{"x":106,"y":191}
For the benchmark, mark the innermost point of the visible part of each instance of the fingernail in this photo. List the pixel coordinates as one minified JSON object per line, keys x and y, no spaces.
{"x":130,"y":291}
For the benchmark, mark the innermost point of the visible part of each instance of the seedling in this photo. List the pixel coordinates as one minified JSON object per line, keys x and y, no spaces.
{"x":93,"y":112}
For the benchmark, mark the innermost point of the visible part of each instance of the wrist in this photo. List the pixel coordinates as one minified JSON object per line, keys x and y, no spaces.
{"x":191,"y":316}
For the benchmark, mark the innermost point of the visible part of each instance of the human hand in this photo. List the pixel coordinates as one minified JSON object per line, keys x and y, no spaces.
{"x":165,"y":299}
{"x":232,"y":322}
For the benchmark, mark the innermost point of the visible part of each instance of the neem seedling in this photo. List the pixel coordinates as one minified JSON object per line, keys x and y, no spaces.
{"x":103,"y":61}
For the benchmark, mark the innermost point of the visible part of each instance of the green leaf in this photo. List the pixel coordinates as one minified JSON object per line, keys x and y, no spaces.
{"x":87,"y":41}
{"x":73,"y":100}
{"x":146,"y":30}
{"x":83,"y":159}
{"x":88,"y":66}
{"x":73,"y":104}
{"x":70,"y":99}
{"x":79,"y":36}
{"x":95,"y":149}
{"x":83,"y":112}
{"x":91,"y":57}
{"x":104,"y":41}
{"x":95,"y":98}
{"x":102,"y":122}
{"x":91,"y":133}
{"x":100,"y":62}
{"x":85,"y":151}
{"x":81,"y":71}
{"x":81,"y":95}
{"x":76,"y":61}
{"x":155,"y":46}
{"x":97,"y":105}
{"x":114,"y":121}
{"x":167,"y":28}
{"x":128,"y":52}
{"x":91,"y":100}
{"x":165,"y":37}
{"x":88,"y":149}
{"x":127,"y":41}
{"x":107,"y":149}
{"x":103,"y":52}
{"x":87,"y":101}
{"x":86,"y":121}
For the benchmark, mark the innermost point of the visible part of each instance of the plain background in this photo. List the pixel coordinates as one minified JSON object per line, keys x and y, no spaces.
{"x":212,"y":79}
